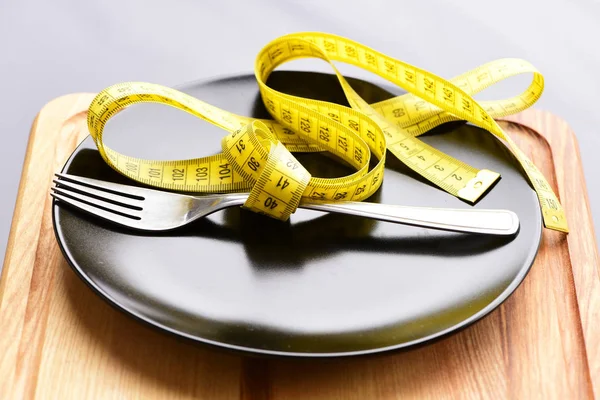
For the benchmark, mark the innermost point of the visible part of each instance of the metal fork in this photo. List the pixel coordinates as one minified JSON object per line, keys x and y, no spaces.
{"x":154,"y":210}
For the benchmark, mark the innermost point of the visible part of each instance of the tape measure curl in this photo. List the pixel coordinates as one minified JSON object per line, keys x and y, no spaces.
{"x":256,"y":154}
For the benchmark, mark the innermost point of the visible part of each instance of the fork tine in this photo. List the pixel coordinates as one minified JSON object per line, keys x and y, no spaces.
{"x":97,"y":211}
{"x":116,"y":188}
{"x":121,"y":200}
{"x":94,"y":202}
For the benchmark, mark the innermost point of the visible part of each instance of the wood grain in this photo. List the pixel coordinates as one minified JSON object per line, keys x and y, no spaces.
{"x":581,"y":244}
{"x":60,"y":340}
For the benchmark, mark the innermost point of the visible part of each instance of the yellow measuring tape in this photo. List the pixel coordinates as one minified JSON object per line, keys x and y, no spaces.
{"x":257,"y":155}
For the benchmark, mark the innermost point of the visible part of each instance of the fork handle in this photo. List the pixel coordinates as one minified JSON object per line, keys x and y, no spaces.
{"x":491,"y":222}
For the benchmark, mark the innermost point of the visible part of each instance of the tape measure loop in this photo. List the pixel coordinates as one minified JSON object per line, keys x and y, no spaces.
{"x":256,"y":153}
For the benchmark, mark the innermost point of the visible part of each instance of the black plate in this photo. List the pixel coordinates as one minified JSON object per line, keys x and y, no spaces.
{"x":320,"y":285}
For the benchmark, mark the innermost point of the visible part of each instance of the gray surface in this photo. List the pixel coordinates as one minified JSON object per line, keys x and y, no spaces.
{"x":48,"y":49}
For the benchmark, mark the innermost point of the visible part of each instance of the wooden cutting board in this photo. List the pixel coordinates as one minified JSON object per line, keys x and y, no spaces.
{"x":59,"y":340}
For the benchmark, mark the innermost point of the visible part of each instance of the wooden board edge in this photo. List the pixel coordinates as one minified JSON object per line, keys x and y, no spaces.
{"x":583,"y":251}
{"x":21,"y":323}
{"x":18,"y":206}
{"x":53,"y":106}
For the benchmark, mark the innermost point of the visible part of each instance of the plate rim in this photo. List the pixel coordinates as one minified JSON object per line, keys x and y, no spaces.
{"x":491,"y":306}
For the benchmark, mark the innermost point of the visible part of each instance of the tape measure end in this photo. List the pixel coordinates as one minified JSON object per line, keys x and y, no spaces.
{"x":559,"y":228}
{"x":478,"y":185}
{"x":555,"y":221}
